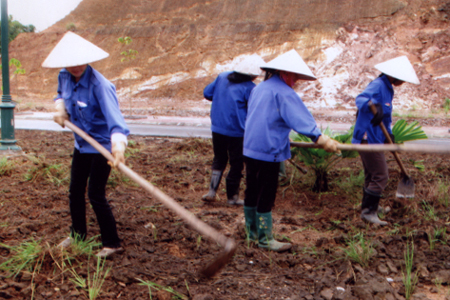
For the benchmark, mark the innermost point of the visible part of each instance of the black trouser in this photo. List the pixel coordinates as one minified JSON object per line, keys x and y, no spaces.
{"x":94,"y":167}
{"x":262,"y":184}
{"x":229,"y":148}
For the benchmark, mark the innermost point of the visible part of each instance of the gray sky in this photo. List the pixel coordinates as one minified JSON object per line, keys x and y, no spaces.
{"x":40,"y":13}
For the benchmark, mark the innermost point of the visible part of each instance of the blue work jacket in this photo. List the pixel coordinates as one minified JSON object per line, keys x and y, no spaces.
{"x":274,"y":109}
{"x":92,"y":106}
{"x":229,"y":105}
{"x":378,"y":91}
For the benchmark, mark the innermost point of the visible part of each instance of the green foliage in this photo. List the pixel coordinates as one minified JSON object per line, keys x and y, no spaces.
{"x":443,"y":192}
{"x":446,"y":105}
{"x":359,"y":249}
{"x":6,"y":166}
{"x":71,"y":27}
{"x":94,"y":282}
{"x":157,"y":287}
{"x":318,"y":159}
{"x":54,"y":174}
{"x":404,"y":132}
{"x":129,"y":54}
{"x":17,"y":65}
{"x":409,"y":279}
{"x":438,"y":234}
{"x":83,"y":247}
{"x":27,"y":256}
{"x":15,"y":28}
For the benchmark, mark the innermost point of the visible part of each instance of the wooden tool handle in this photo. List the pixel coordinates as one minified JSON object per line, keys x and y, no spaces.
{"x":186,"y":215}
{"x":388,"y":138}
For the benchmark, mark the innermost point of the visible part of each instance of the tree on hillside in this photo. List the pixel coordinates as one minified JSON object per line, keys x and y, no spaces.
{"x":15,"y":27}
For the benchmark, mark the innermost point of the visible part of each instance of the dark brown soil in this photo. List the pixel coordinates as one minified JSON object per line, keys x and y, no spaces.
{"x":162,"y":249}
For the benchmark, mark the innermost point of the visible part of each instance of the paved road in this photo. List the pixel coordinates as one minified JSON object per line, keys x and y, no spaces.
{"x":191,"y":127}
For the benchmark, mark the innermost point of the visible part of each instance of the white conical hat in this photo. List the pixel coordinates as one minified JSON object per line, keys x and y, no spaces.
{"x":290,"y":62}
{"x":73,"y":50}
{"x":399,"y":68}
{"x":251,"y":65}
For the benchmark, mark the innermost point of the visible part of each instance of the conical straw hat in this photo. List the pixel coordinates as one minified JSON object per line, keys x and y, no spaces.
{"x":73,"y":50}
{"x":251,"y":65}
{"x":399,"y":68}
{"x":290,"y":62}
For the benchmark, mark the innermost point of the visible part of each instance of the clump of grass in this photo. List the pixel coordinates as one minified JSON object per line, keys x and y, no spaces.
{"x":359,"y":249}
{"x":57,"y":174}
{"x":429,"y":213}
{"x":438,"y":234}
{"x":157,"y":287}
{"x":6,"y":166}
{"x":443,"y":192}
{"x":27,"y":256}
{"x":409,"y":279}
{"x":94,"y":282}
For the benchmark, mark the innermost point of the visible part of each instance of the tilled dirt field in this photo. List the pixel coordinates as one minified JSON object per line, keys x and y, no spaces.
{"x":160,"y":248}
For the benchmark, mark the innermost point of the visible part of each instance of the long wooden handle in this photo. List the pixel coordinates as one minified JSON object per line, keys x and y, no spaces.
{"x":388,"y":138}
{"x":432,"y":149}
{"x":186,"y":215}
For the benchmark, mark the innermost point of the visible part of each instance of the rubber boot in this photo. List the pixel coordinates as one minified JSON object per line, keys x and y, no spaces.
{"x":265,"y":236}
{"x":250,"y":224}
{"x":233,"y":192}
{"x":216,"y":176}
{"x":369,"y":208}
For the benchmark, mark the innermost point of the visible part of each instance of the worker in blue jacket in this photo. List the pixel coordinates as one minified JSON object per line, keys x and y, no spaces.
{"x":229,"y":94}
{"x":380,"y":93}
{"x":88,"y":100}
{"x":274,"y":110}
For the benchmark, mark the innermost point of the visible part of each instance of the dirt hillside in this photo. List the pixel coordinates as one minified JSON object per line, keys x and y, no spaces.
{"x":182,"y":45}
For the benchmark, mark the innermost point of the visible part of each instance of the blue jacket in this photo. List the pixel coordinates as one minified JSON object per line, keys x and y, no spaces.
{"x":378,"y":91}
{"x":92,"y":106}
{"x":229,"y":105}
{"x":274,"y":109}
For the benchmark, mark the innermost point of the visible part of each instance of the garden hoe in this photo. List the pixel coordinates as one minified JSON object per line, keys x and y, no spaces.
{"x":430,"y":149}
{"x":405,"y":188}
{"x":229,"y":245}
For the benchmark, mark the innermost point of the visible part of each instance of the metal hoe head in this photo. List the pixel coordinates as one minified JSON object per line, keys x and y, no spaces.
{"x":220,"y":261}
{"x":405,"y":188}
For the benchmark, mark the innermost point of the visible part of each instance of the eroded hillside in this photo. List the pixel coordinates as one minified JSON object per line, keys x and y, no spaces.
{"x":182,"y":45}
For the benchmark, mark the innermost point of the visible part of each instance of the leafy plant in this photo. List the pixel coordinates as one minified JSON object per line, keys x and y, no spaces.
{"x":418,"y":164}
{"x":359,"y":249}
{"x":409,"y":279}
{"x":319,"y":160}
{"x":404,"y":132}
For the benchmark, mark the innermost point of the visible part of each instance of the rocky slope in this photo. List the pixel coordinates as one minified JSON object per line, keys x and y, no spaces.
{"x":182,"y":45}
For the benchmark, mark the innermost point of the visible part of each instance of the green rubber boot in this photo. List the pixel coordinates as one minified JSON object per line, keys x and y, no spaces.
{"x":265,"y":236}
{"x":250,"y":224}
